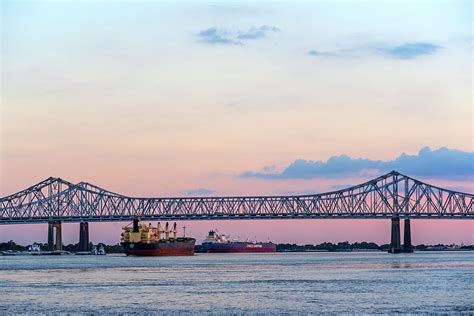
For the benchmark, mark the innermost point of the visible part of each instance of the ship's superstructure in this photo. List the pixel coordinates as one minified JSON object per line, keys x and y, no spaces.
{"x":146,"y":240}
{"x":219,"y":243}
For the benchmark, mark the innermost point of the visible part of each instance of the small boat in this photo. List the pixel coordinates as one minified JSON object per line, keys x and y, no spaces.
{"x":96,"y":250}
{"x":99,"y":252}
{"x":34,"y":249}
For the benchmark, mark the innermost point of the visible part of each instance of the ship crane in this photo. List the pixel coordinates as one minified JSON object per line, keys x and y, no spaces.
{"x":167,"y":231}
{"x":175,"y":231}
{"x":159,"y":230}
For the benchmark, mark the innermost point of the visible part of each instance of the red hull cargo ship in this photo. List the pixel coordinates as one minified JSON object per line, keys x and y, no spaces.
{"x":143,"y":240}
{"x":215,"y":243}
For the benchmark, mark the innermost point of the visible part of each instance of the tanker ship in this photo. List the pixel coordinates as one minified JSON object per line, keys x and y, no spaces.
{"x":143,"y":240}
{"x":216,"y":243}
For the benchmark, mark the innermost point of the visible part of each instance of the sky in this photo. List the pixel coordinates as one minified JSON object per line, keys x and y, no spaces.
{"x":155,"y":99}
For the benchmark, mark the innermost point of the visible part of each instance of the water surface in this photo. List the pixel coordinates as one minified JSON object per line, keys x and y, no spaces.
{"x":299,"y":283}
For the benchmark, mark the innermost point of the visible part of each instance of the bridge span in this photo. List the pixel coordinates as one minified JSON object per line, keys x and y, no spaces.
{"x":391,"y":196}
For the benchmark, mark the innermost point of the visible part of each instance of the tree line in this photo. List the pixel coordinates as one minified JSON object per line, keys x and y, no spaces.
{"x":325,"y":246}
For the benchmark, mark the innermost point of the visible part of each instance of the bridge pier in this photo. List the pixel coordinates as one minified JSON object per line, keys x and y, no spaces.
{"x":55,"y":244}
{"x":407,"y":246}
{"x":83,"y":236}
{"x":50,"y":236}
{"x":395,"y":240}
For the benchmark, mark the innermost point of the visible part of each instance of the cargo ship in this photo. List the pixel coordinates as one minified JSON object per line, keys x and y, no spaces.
{"x":146,"y":240}
{"x":216,"y":243}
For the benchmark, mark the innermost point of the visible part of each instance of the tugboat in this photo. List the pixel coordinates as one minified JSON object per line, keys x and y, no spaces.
{"x":34,"y":249}
{"x":98,"y":250}
{"x":143,"y":240}
{"x":216,"y":243}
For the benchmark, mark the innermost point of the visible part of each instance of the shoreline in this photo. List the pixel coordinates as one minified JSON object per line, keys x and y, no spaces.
{"x":11,"y":248}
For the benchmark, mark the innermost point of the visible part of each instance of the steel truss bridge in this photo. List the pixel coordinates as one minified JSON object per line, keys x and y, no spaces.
{"x":388,"y":196}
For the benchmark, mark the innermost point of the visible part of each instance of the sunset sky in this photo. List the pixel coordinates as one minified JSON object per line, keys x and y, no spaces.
{"x":181,"y":98}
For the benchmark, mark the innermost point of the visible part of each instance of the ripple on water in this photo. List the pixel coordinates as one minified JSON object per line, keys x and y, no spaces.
{"x":240,"y":283}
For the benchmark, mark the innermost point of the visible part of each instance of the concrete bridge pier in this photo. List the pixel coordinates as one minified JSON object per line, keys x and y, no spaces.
{"x":395,"y":240}
{"x":55,"y":242}
{"x":407,"y":246}
{"x":83,"y":236}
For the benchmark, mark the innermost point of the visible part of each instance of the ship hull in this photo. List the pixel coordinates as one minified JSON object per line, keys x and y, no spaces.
{"x":171,"y":247}
{"x":238,"y":247}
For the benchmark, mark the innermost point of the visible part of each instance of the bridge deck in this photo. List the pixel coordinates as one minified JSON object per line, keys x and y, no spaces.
{"x":387,"y":196}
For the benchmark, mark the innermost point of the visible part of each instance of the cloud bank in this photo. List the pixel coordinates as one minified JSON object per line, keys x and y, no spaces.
{"x":217,"y":36}
{"x":410,"y":50}
{"x":440,"y":163}
{"x":199,"y":191}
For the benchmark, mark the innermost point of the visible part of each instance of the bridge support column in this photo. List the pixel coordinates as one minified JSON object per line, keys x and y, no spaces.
{"x":50,"y":236}
{"x":83,"y":236}
{"x":407,"y":247}
{"x":395,"y":241}
{"x":55,"y":243}
{"x":59,"y":239}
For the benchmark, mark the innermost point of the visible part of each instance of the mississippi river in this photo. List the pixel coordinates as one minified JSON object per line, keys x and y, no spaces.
{"x":299,"y":283}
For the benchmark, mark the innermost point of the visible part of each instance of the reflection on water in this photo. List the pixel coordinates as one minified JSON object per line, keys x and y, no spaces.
{"x":399,"y":265}
{"x":224,"y":283}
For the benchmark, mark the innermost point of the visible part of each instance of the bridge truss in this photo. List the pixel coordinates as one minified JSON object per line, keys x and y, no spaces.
{"x":390,"y":195}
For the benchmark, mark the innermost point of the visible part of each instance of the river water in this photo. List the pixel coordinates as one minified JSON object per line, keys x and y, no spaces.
{"x":300,"y":283}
